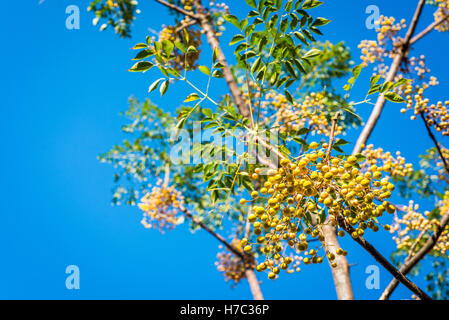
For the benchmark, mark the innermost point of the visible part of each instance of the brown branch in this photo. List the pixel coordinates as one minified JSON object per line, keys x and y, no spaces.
{"x":412,"y":262}
{"x":380,"y":103}
{"x":178,"y":9}
{"x":428,"y":29}
{"x":217,"y":236}
{"x":384,"y":262}
{"x":340,"y":272}
{"x":247,"y":259}
{"x":437,"y":145}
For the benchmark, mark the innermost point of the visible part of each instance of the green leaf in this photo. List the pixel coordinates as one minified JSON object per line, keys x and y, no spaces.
{"x":217,"y":74}
{"x":340,"y":142}
{"x":139,"y":46}
{"x":311,"y":53}
{"x":214,"y":55}
{"x":302,"y":131}
{"x":289,"y":96}
{"x":155,"y":84}
{"x":192,"y":97}
{"x":232,"y":19}
{"x":168,"y":47}
{"x":252,"y":3}
{"x":386,"y":86}
{"x":356,"y":71}
{"x":204,"y":70}
{"x":191,"y":49}
{"x":164,"y":87}
{"x":320,"y":22}
{"x":207,"y":112}
{"x":181,"y":46}
{"x":310,"y":4}
{"x":144,"y":54}
{"x":256,"y":65}
{"x":300,"y":37}
{"x":374,"y":80}
{"x":393,"y":97}
{"x":141,"y":66}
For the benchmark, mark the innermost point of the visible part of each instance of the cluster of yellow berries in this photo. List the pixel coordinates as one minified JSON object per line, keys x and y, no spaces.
{"x":412,"y":223}
{"x":232,"y":266}
{"x":394,"y":166}
{"x":373,"y":51}
{"x":296,"y":198}
{"x":111,"y":4}
{"x":436,"y":115}
{"x":182,"y":61}
{"x":442,"y":11}
{"x":161,"y":208}
{"x":310,"y":113}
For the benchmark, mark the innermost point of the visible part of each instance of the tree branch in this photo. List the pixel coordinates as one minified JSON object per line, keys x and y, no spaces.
{"x":380,"y":103}
{"x":384,"y":262}
{"x":246,"y":258}
{"x":177,"y":9}
{"x":428,"y":29}
{"x":432,"y":136}
{"x":412,"y":262}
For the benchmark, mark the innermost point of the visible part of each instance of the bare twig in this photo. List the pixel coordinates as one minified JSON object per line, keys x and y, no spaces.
{"x":437,"y":145}
{"x":429,"y":29}
{"x":178,"y":9}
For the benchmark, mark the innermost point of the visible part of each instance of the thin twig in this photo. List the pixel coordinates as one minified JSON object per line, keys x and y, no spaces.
{"x":178,"y":9}
{"x":437,"y":145}
{"x":428,"y":29}
{"x":213,"y":233}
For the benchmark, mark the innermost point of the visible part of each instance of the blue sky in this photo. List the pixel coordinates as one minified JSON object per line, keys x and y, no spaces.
{"x":62,"y":91}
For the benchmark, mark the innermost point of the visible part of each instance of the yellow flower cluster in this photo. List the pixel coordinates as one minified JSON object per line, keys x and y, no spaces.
{"x":373,"y":51}
{"x":232,"y":267}
{"x":161,"y":207}
{"x":181,"y":60}
{"x":394,"y":166}
{"x":442,"y":11}
{"x":308,"y":113}
{"x":412,"y":224}
{"x":296,"y":198}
